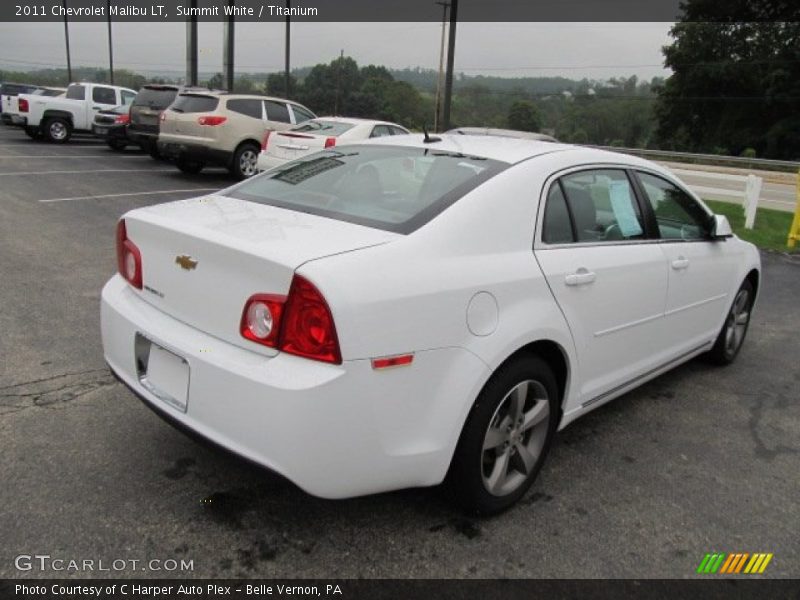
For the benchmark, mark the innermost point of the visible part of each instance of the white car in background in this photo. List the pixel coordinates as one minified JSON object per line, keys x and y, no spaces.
{"x":279,"y":147}
{"x":413,"y":309}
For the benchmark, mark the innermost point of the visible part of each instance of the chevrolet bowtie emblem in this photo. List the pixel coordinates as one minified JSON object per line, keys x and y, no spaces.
{"x":186,"y":262}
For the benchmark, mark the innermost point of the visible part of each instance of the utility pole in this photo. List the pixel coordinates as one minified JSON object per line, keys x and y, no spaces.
{"x":110,"y":48}
{"x":191,"y":48}
{"x":66,"y":39}
{"x":338,"y":83}
{"x":437,"y":111}
{"x":288,"y":39}
{"x":227,"y":50}
{"x":451,"y":53}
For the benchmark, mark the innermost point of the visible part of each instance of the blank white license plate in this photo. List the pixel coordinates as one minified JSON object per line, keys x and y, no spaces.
{"x":167,"y":377}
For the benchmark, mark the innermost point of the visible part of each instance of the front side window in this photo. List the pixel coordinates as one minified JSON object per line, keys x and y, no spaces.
{"x":386,"y":187}
{"x":678,"y":215}
{"x":104,"y":95}
{"x":301,"y":114}
{"x":602,"y":206}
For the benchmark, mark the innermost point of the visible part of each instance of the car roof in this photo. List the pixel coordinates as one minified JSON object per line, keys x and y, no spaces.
{"x":508,"y":150}
{"x":512,"y":133}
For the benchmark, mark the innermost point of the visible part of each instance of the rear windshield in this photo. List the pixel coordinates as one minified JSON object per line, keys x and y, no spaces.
{"x":158,"y":98}
{"x":189,"y":103}
{"x":15,"y":89}
{"x":393,"y":188}
{"x":330,"y":128}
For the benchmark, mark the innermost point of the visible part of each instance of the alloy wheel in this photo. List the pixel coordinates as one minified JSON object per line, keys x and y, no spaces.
{"x":738,"y":319}
{"x":515,"y":437}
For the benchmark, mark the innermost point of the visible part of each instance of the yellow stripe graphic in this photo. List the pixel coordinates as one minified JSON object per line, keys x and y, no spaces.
{"x":765,"y":563}
{"x":756,"y":558}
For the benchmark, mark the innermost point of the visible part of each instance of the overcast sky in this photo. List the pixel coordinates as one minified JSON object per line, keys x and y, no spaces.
{"x":573,"y":50}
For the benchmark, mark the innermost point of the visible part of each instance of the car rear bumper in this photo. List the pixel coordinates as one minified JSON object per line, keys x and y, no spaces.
{"x":334,"y":430}
{"x":194,"y":152}
{"x":143,"y":138}
{"x":109,"y":132}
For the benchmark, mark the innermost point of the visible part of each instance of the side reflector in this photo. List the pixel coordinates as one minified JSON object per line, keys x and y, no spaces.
{"x":388,"y":362}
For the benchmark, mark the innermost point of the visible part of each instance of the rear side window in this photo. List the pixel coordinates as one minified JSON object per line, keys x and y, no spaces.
{"x":601,"y":207}
{"x":330,"y":128}
{"x":557,"y":227}
{"x":380,"y":131}
{"x":393,"y":188}
{"x":277,"y":111}
{"x":245,"y":106}
{"x":397,"y":130}
{"x":104,"y":95}
{"x":156,"y":98}
{"x":190,"y":103}
{"x":77,"y":92}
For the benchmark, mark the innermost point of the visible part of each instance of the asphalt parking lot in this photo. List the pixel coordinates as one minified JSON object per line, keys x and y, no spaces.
{"x":699,"y":460}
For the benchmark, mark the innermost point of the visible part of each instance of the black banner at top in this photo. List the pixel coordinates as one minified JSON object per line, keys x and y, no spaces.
{"x":378,"y":10}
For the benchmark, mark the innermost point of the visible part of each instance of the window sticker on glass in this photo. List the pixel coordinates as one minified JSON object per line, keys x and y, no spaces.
{"x":621,"y":204}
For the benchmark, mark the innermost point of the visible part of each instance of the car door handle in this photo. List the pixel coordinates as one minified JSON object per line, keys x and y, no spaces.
{"x":680,"y":263}
{"x":580,"y":277}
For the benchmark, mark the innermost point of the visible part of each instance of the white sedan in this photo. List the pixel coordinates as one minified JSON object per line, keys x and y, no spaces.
{"x":279,"y":147}
{"x":412,"y":310}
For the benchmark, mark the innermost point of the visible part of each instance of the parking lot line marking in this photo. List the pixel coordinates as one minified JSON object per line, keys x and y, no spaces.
{"x":88,"y":172}
{"x":50,"y":200}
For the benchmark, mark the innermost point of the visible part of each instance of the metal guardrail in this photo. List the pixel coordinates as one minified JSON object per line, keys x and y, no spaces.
{"x":714,"y":159}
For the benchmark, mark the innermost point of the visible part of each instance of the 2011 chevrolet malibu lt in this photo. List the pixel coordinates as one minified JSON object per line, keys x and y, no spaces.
{"x":413,"y":310}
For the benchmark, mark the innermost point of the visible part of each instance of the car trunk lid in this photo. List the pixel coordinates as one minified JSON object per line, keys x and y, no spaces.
{"x":203,"y":258}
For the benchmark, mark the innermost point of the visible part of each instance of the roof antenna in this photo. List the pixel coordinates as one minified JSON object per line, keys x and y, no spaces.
{"x":429,"y":139}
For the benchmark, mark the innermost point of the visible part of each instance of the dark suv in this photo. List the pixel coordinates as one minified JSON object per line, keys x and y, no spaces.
{"x":146,"y":111}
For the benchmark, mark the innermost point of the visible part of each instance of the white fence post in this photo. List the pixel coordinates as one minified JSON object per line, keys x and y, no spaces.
{"x":752,"y":191}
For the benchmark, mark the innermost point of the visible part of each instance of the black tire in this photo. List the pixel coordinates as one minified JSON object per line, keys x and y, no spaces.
{"x":152,"y":150}
{"x":734,"y":330}
{"x":474,"y":466}
{"x":33,"y":132}
{"x":191,"y":167}
{"x":57,"y":130}
{"x":243,"y":163}
{"x":118,"y":145}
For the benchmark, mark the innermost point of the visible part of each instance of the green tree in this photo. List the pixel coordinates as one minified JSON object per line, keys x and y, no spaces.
{"x":523,"y":116}
{"x":217,"y":82}
{"x":735,"y":84}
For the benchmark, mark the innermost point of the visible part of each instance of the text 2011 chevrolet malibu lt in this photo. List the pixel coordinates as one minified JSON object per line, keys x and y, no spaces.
{"x":405,"y":312}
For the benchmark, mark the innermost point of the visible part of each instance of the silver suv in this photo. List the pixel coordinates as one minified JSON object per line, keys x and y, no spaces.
{"x":218,"y":128}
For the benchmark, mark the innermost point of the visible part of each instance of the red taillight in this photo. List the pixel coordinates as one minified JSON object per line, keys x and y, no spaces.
{"x":129,"y":259}
{"x":122,"y":120}
{"x":265,"y":141}
{"x":261,"y":319}
{"x":211,"y":120}
{"x":330,"y":142}
{"x":23,"y":105}
{"x":300,"y":323}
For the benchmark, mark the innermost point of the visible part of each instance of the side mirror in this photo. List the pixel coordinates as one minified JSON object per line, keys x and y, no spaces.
{"x":720,"y":228}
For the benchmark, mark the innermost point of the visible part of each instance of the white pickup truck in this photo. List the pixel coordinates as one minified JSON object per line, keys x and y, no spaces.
{"x":57,"y":118}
